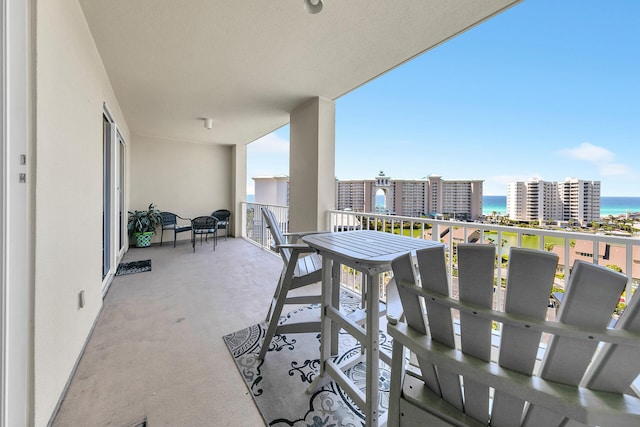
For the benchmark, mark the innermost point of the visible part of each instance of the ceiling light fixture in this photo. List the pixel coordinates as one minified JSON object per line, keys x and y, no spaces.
{"x":313,"y":6}
{"x":208,"y":123}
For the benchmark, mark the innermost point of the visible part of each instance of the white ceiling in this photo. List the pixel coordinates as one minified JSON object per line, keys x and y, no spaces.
{"x":247,"y":63}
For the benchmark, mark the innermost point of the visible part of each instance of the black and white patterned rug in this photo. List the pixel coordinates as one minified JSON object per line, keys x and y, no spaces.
{"x":133,"y":267}
{"x":279,"y":383}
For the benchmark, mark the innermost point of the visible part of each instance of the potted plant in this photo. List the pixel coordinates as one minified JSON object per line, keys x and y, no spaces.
{"x":142,"y":225}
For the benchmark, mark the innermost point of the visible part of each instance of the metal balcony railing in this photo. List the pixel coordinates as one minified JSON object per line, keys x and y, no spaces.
{"x":618,"y":252}
{"x":255,"y":228}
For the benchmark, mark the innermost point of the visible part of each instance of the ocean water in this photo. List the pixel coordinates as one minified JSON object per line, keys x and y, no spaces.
{"x":608,"y":205}
{"x":619,"y":205}
{"x":492,"y":204}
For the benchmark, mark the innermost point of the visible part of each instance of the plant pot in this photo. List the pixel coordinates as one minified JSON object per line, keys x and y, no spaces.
{"x":143,"y":240}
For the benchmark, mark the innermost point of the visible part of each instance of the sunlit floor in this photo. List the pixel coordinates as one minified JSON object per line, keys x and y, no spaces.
{"x":157,"y":352}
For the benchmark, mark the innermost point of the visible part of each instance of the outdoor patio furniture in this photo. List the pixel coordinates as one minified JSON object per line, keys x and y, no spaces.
{"x":204,"y":226}
{"x":223,"y":216}
{"x":302,"y":267}
{"x":170,"y":222}
{"x":371,"y":253}
{"x":468,"y":373}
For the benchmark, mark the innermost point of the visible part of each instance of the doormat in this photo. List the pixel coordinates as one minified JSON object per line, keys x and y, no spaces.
{"x":133,"y":267}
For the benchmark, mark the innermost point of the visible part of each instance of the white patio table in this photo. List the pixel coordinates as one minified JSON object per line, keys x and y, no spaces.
{"x":371,"y":253}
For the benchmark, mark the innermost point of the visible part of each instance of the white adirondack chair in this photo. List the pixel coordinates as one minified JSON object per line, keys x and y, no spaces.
{"x":297,"y":271}
{"x":581,"y":375}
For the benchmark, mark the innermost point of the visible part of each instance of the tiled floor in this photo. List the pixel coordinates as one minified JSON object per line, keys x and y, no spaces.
{"x":157,"y":351}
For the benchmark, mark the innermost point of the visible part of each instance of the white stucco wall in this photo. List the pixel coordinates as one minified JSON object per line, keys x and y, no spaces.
{"x":187,"y":179}
{"x":192,"y":179}
{"x":71,"y":86}
{"x":312,"y":178}
{"x":238,"y":188}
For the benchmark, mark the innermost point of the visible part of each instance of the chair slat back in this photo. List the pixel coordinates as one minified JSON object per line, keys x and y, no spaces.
{"x":616,"y":366}
{"x":276,"y":233}
{"x":534,"y":380}
{"x":433,"y":275}
{"x":530,"y":277}
{"x":589,"y":296}
{"x":403,"y":272}
{"x":475,"y":284}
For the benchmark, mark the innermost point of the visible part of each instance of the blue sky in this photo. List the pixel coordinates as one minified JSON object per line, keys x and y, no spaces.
{"x":548,"y":89}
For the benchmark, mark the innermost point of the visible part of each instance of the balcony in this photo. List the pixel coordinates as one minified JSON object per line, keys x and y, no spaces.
{"x":121,"y":126}
{"x":157,"y":354}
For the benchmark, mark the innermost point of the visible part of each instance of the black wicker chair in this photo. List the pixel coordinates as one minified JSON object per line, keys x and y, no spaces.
{"x":170,"y":222}
{"x":223,"y":216}
{"x":203,"y":226}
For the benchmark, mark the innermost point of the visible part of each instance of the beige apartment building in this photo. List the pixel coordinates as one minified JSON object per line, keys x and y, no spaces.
{"x":433,"y":196}
{"x":572,"y":200}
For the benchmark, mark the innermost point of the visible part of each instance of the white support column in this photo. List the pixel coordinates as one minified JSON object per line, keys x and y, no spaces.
{"x":312,"y":165}
{"x":239,"y":187}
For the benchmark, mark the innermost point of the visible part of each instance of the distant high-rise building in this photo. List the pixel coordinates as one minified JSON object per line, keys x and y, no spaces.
{"x":581,"y":200}
{"x":460,"y":199}
{"x":272,"y":190}
{"x":354,"y":195}
{"x":539,"y":200}
{"x":434,"y":196}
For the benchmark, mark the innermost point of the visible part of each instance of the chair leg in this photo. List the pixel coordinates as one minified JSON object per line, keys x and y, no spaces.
{"x":273,"y":315}
{"x":397,"y":374}
{"x":175,"y":237}
{"x":161,"y":234}
{"x":275,"y":295}
{"x":273,"y":323}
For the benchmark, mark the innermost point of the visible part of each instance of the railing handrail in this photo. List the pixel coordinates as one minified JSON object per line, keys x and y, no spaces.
{"x":622,"y":240}
{"x":336,"y":217}
{"x":343,"y":220}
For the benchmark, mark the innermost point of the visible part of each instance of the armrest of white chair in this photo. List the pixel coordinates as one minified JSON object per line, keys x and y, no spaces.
{"x":297,"y":247}
{"x":301,"y":234}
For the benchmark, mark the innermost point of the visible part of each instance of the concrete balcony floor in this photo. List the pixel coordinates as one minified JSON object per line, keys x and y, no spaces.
{"x":157,"y":352}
